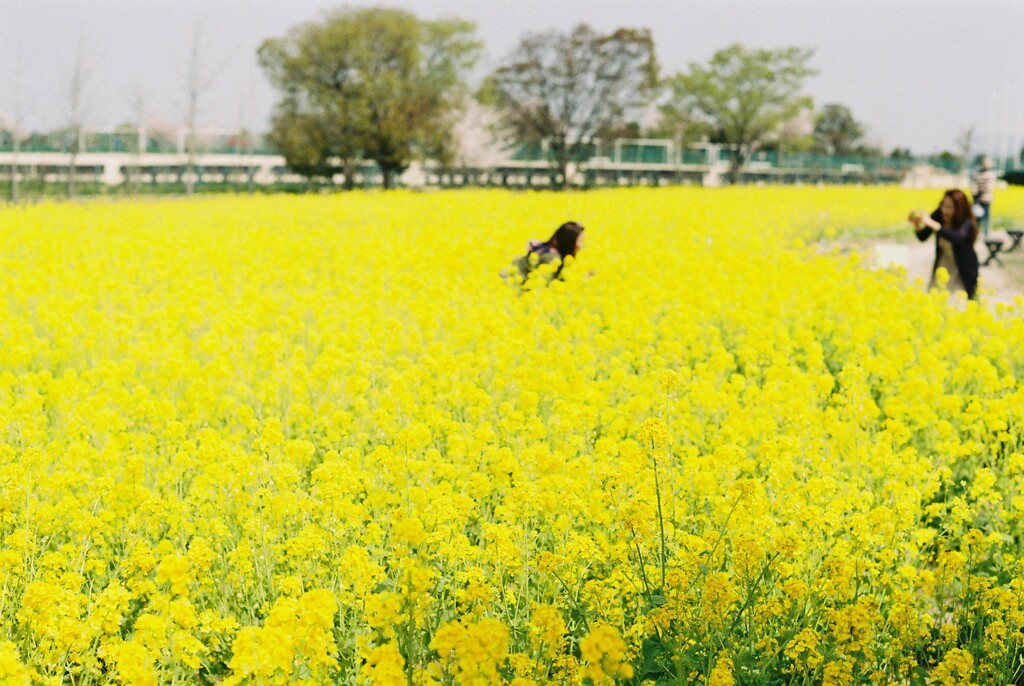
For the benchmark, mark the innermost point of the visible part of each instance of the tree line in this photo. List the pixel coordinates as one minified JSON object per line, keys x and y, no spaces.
{"x":383,"y":85}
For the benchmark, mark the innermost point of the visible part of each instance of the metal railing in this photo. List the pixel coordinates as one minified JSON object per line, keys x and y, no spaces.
{"x":643,"y":151}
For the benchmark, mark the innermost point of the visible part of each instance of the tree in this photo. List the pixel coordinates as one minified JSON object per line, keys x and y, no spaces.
{"x":302,"y":139}
{"x":947,"y":160}
{"x":744,"y":95}
{"x":15,"y":150}
{"x":198,"y":81}
{"x":137,"y":129}
{"x":836,"y":132}
{"x":245,"y":140}
{"x":316,"y":68}
{"x":15,"y":130}
{"x":81,"y":75}
{"x":794,"y":135}
{"x":867,"y":150}
{"x":964,"y":145}
{"x":567,"y":89}
{"x":681,"y":125}
{"x":377,"y":83}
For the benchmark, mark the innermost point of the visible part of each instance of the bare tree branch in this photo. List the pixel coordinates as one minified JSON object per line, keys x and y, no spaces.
{"x":569,"y":89}
{"x":198,"y":80}
{"x":78,"y":108}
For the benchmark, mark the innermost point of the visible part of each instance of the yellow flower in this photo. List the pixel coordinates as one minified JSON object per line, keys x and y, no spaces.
{"x":956,"y":667}
{"x":384,"y":666}
{"x":548,"y":628}
{"x":803,"y":649}
{"x":653,"y":434}
{"x":474,"y":652}
{"x":605,"y":656}
{"x":722,"y":673}
{"x":174,"y":570}
{"x":383,"y":611}
{"x":134,"y":664}
{"x":12,"y":671}
{"x":248,"y":430}
{"x":297,"y":636}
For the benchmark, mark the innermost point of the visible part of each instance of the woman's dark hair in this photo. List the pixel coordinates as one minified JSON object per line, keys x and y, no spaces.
{"x":962,"y":211}
{"x":564,"y":238}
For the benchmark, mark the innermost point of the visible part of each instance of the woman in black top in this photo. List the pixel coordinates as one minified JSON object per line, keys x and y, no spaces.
{"x":565,"y":241}
{"x":955,"y":230}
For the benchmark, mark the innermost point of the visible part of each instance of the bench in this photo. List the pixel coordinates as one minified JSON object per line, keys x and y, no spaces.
{"x":994,"y":245}
{"x":1015,"y":235}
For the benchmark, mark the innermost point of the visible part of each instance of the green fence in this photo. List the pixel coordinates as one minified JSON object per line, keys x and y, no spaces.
{"x":663,"y":153}
{"x":128,"y":142}
{"x":622,"y":151}
{"x":641,"y":153}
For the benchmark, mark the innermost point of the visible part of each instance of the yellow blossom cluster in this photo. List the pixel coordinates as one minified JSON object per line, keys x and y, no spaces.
{"x":318,"y":439}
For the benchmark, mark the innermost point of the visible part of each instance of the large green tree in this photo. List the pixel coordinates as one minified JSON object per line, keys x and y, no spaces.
{"x":744,"y":95}
{"x":302,"y":139}
{"x":836,"y":132}
{"x":377,"y":83}
{"x":567,"y":89}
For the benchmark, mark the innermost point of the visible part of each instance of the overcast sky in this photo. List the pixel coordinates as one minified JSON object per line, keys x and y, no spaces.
{"x":916,"y":72}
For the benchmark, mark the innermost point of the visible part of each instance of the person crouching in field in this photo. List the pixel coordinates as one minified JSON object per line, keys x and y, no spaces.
{"x":566,"y":241}
{"x":955,"y":230}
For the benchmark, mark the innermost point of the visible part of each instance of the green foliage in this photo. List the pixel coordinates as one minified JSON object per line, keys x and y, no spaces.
{"x":743,"y":95}
{"x":301,"y":139}
{"x":680,"y":124}
{"x":836,"y":132}
{"x":946,"y":159}
{"x":377,"y":83}
{"x":1014,"y":177}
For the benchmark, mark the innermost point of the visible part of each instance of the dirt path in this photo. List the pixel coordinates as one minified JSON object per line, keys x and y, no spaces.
{"x":999,"y":283}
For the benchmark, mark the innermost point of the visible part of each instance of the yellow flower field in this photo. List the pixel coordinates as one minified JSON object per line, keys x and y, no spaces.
{"x":309,"y":440}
